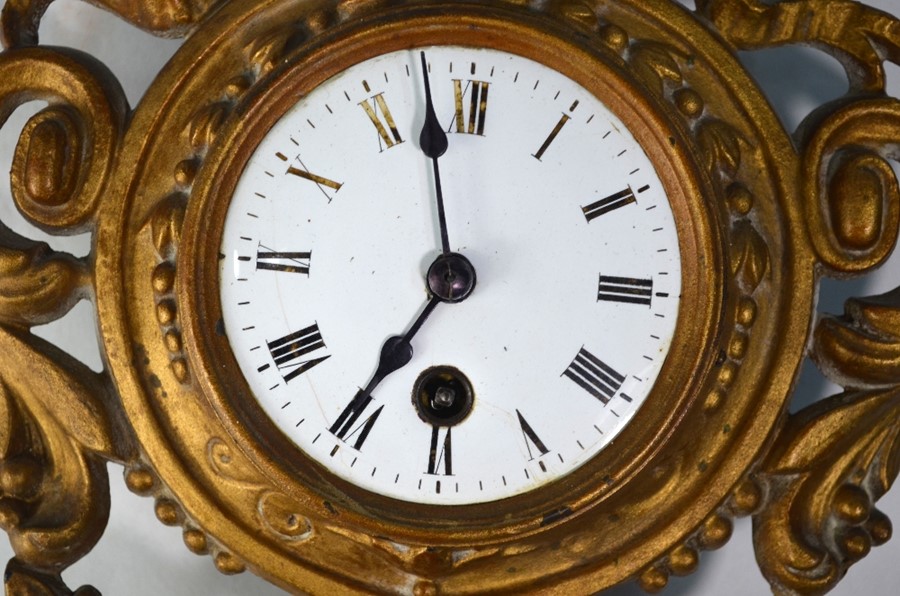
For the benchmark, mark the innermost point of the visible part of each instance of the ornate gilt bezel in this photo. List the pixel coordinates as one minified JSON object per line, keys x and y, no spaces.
{"x":761,"y":216}
{"x":674,"y":458}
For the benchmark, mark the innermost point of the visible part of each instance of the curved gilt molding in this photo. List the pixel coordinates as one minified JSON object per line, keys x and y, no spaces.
{"x":66,"y":152}
{"x":858,"y":35}
{"x":851,"y":193}
{"x":21,"y":19}
{"x":58,"y":425}
{"x":56,"y":430}
{"x":837,"y":457}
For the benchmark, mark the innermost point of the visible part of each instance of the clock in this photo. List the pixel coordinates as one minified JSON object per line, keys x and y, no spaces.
{"x":441,"y":297}
{"x":481,"y":408}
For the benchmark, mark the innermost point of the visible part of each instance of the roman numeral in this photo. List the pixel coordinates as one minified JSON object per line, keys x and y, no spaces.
{"x":440,"y":452}
{"x":625,"y":289}
{"x":610,"y":203}
{"x":478,"y":103}
{"x":319,"y":180}
{"x":594,"y":376}
{"x":531,"y":438}
{"x":288,"y":352}
{"x":376,"y":109}
{"x":344,"y":429}
{"x":288,"y":262}
{"x":559,"y":126}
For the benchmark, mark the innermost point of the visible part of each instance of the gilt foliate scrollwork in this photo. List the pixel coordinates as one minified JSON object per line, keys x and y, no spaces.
{"x":171,"y":18}
{"x":57,"y":421}
{"x":858,"y":34}
{"x":838,"y":457}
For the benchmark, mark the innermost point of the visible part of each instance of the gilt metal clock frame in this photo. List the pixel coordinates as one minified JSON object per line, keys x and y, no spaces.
{"x":771,"y":213}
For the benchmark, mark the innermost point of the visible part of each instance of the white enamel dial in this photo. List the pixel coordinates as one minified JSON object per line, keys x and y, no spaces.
{"x":334,"y":225}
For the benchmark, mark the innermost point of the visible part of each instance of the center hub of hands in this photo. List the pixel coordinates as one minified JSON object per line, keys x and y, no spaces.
{"x":451,"y":277}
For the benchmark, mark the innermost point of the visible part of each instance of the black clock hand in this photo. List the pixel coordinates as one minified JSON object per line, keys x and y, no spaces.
{"x":433,"y":141}
{"x":396,"y":353}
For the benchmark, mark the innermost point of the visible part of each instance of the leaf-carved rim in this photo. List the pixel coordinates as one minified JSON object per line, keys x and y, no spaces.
{"x":668,"y":19}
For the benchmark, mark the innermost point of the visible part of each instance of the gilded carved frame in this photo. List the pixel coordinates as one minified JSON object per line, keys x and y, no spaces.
{"x":784,"y":211}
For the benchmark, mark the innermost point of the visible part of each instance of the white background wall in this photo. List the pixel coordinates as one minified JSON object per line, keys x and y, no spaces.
{"x":139,"y":556}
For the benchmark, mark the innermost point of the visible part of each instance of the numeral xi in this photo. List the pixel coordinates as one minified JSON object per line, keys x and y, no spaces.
{"x":372,"y":108}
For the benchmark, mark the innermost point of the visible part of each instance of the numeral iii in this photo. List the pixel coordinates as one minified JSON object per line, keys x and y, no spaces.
{"x":625,"y":289}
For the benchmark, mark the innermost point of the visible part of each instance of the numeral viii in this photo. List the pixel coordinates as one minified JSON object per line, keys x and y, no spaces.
{"x":289,"y":351}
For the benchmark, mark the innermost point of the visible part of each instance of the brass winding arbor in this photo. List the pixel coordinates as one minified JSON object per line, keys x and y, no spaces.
{"x":784,"y":208}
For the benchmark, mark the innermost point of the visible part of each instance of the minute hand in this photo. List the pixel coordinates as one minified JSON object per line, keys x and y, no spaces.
{"x":433,"y":141}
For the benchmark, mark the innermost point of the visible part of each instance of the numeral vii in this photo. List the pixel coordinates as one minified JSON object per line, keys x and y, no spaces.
{"x":440,"y":452}
{"x":343,"y":426}
{"x":288,"y":352}
{"x":288,"y":262}
{"x":594,"y":376}
{"x":478,"y":103}
{"x":625,"y":289}
{"x":610,"y":203}
{"x":378,"y":112}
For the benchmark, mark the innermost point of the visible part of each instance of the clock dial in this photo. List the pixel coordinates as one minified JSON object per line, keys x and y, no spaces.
{"x":356,"y":317}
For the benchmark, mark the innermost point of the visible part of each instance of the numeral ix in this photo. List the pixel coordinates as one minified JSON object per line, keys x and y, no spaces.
{"x":288,"y":262}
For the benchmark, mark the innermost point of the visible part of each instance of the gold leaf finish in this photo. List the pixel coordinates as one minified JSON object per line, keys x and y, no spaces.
{"x":21,"y":19}
{"x":66,"y":152}
{"x":862,"y":34}
{"x":760,"y":215}
{"x":851,"y":193}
